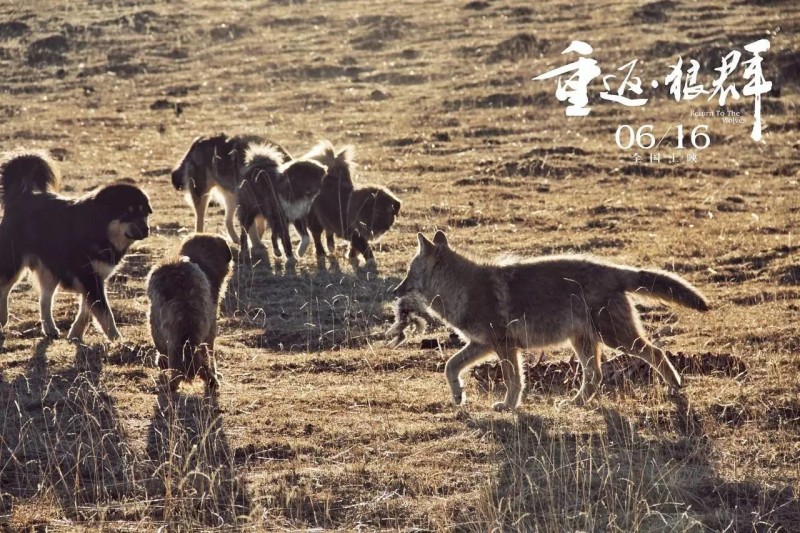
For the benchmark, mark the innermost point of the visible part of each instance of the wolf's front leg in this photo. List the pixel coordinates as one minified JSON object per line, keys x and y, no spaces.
{"x":469,"y":355}
{"x":513,"y":375}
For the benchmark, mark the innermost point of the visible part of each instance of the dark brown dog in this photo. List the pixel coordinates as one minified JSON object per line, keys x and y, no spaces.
{"x":355,"y":214}
{"x":278,"y":193}
{"x":184,"y":298}
{"x":73,"y":244}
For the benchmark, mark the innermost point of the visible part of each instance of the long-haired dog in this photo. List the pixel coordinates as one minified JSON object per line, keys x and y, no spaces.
{"x":512,"y":305}
{"x":184,"y":298}
{"x":356,"y":214}
{"x":278,"y":193}
{"x":71,"y":243}
{"x":212,"y":165}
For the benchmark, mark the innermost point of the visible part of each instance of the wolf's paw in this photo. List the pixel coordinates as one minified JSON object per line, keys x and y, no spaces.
{"x":459,"y":398}
{"x":396,"y":340}
{"x":114,"y":335}
{"x":580,"y":400}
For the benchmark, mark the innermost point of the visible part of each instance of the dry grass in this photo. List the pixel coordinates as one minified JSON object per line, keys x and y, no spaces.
{"x":319,"y":424}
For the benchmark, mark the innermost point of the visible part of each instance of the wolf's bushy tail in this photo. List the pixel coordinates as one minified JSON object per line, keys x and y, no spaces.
{"x":669,"y":287}
{"x":27,"y":173}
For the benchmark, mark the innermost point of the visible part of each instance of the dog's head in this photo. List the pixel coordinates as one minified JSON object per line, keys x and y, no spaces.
{"x":125,"y":208}
{"x":212,"y":254}
{"x":205,"y":155}
{"x":418,"y":277}
{"x":377,"y":210}
{"x":305,"y":179}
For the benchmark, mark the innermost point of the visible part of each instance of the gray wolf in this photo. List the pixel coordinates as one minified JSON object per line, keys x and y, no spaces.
{"x":184,"y":298}
{"x":279,"y":193}
{"x":71,"y":243}
{"x":212,"y":165}
{"x":503,"y":307}
{"x":356,"y":214}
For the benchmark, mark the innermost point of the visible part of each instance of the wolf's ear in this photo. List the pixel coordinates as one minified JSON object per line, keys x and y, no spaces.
{"x":425,"y":246}
{"x":440,"y":238}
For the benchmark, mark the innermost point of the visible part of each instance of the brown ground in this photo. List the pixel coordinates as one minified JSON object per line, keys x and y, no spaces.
{"x":319,"y":423}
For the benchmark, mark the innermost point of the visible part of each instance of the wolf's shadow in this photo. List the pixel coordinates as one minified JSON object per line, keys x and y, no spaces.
{"x":193,"y":467}
{"x":62,"y":435}
{"x":623,"y":479}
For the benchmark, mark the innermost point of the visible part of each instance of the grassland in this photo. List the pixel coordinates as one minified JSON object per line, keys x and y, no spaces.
{"x":318,"y":423}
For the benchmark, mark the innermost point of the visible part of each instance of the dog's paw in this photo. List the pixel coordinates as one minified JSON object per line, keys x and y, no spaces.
{"x":301,"y":250}
{"x":51,"y":332}
{"x":114,"y":335}
{"x":277,"y":251}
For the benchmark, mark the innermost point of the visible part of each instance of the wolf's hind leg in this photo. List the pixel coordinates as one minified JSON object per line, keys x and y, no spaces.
{"x":655,"y":357}
{"x":469,"y":355}
{"x":513,"y":375}
{"x":588,"y":349}
{"x":620,"y":328}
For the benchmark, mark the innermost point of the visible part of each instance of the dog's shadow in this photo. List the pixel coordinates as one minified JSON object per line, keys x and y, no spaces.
{"x":62,"y":435}
{"x":316,"y":306}
{"x":193,"y":469}
{"x":623,"y":478}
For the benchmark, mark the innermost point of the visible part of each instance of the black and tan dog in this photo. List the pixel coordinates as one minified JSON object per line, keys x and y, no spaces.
{"x":356,"y":214}
{"x":212,"y":165}
{"x":184,"y":299}
{"x":71,"y":243}
{"x":277,"y":193}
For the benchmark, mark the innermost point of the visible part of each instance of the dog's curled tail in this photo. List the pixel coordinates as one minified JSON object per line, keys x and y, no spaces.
{"x":27,"y":173}
{"x":262,"y":157}
{"x":670,"y":287}
{"x":340,"y":160}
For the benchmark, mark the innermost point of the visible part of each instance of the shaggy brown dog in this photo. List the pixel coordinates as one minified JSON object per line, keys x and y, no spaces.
{"x":73,"y":244}
{"x":184,"y":298}
{"x":278,"y":193}
{"x":355,"y":214}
